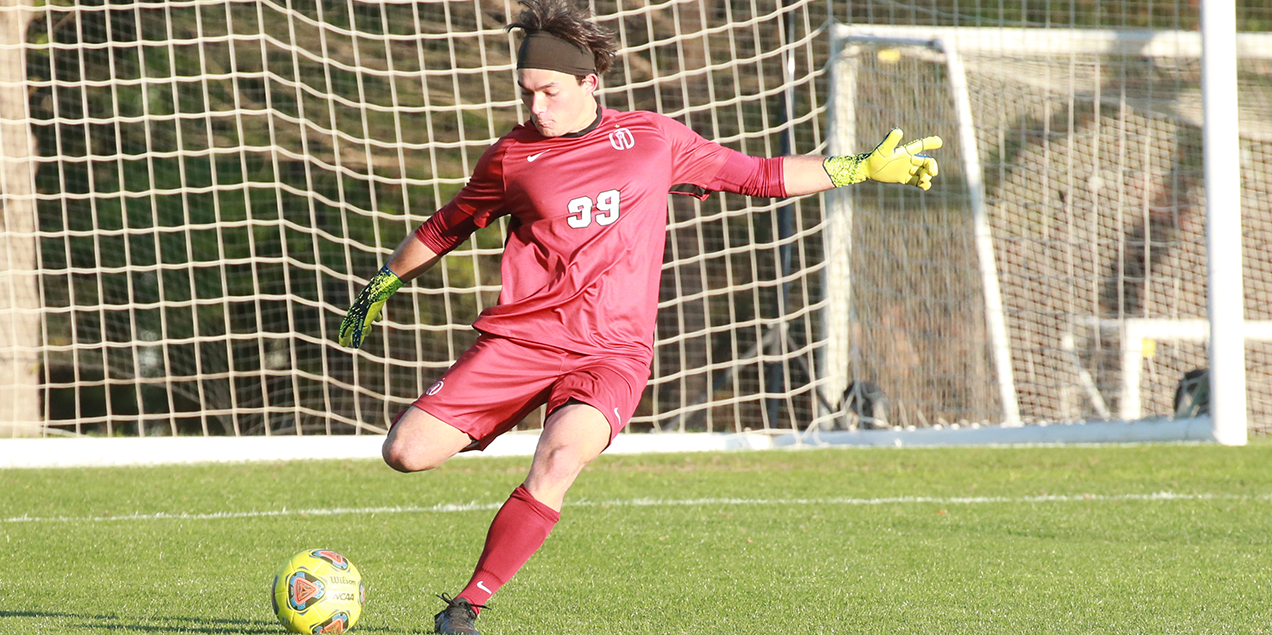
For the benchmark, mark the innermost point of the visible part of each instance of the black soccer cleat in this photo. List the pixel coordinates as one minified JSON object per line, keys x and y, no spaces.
{"x":457,"y":618}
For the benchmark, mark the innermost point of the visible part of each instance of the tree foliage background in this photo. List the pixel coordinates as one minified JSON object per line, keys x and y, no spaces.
{"x":196,"y":178}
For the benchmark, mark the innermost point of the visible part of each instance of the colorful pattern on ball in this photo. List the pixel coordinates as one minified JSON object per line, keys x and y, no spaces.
{"x":332,"y":557}
{"x":337,"y":623}
{"x":304,"y":590}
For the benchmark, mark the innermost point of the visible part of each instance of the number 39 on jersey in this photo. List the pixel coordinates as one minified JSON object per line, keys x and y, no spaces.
{"x":584,"y":211}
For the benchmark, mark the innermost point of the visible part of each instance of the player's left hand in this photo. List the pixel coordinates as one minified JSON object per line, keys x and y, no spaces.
{"x":888,"y":163}
{"x":366,"y":309}
{"x":905,"y":165}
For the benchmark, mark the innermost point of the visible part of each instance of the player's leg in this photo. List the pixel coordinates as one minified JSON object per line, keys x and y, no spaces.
{"x":419,"y":441}
{"x":589,"y":405}
{"x":486,"y":392}
{"x":573,"y":436}
{"x":490,"y":389}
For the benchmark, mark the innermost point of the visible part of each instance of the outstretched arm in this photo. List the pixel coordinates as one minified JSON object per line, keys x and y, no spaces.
{"x":411,"y":258}
{"x":887,"y":163}
{"x":804,"y":174}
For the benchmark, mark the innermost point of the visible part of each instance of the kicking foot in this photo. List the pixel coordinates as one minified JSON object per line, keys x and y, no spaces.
{"x":457,"y":618}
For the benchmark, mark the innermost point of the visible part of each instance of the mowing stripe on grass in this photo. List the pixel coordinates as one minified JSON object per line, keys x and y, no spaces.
{"x":651,"y":502}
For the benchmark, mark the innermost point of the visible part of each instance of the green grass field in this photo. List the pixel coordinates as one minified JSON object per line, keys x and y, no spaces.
{"x":1118,"y":539}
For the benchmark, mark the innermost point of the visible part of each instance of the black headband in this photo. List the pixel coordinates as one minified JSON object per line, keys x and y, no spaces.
{"x":545,"y":51}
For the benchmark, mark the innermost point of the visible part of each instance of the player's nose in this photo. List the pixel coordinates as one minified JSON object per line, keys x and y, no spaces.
{"x":539,"y":104}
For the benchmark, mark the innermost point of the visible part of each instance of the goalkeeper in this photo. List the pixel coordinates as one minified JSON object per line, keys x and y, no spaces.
{"x":586,"y":188}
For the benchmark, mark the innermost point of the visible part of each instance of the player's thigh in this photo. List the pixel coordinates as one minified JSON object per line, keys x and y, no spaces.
{"x":572,"y":437}
{"x":610,"y":384}
{"x":420,"y":441}
{"x":576,"y":431}
{"x":588,"y":405}
{"x":492,"y":387}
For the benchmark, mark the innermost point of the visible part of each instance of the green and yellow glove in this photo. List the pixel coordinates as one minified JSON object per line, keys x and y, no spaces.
{"x":366,"y":309}
{"x":887,"y":163}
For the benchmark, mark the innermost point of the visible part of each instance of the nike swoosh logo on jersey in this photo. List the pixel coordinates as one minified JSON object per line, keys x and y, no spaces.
{"x":532,"y":157}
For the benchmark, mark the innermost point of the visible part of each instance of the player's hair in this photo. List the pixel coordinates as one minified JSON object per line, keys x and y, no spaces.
{"x":570,"y":23}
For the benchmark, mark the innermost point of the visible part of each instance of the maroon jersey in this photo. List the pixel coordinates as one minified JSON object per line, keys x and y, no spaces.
{"x":582,"y":262}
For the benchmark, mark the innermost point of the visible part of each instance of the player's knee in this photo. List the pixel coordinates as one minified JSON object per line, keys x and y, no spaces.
{"x":405,"y":459}
{"x":564,"y":463}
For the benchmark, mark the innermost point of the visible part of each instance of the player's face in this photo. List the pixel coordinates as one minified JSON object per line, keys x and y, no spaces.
{"x":557,"y":102}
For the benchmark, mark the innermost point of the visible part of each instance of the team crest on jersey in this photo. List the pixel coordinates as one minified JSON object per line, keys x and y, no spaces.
{"x":435,"y":388}
{"x":622,"y":139}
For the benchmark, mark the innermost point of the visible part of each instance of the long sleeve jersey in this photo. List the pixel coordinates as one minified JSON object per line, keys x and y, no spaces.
{"x":582,"y":262}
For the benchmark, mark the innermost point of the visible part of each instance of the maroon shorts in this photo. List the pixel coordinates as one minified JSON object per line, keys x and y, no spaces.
{"x":497,"y":382}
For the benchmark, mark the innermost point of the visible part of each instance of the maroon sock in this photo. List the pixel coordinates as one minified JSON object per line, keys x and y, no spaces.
{"x":517,"y":531}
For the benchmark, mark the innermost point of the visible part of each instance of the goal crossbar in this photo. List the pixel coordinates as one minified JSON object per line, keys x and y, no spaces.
{"x":1043,"y":41}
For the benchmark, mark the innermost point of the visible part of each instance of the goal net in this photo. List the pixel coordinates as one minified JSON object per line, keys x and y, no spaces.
{"x":1059,"y":272}
{"x":211,"y":183}
{"x":194,"y":191}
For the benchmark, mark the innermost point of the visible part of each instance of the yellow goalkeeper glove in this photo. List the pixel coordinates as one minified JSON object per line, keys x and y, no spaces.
{"x":366,"y":309}
{"x":887,"y":163}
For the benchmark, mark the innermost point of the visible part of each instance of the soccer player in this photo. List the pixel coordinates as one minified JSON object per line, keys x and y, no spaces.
{"x":586,"y":188}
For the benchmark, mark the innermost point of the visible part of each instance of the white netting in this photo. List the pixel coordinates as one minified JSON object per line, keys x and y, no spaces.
{"x":214,"y":180}
{"x":194,"y":190}
{"x":1091,"y":151}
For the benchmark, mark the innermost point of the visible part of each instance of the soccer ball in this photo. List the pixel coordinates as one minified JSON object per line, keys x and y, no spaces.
{"x":318,"y":591}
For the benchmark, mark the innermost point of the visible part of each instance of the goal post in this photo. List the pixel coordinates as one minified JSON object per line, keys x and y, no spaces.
{"x":1223,"y":222}
{"x":20,"y":332}
{"x":843,"y":139}
{"x":1067,"y":121}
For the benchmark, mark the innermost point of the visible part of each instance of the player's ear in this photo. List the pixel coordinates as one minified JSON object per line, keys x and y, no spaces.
{"x":590,"y":82}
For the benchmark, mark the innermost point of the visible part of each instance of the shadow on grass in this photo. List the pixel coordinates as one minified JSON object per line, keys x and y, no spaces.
{"x":164,"y":623}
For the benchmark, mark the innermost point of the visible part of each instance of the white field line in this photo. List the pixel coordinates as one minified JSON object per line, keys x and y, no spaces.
{"x":650,"y":502}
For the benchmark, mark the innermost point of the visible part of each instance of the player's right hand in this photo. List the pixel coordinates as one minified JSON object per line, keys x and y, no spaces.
{"x":366,"y":309}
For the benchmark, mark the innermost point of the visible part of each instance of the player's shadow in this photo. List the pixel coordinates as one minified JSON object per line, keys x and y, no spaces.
{"x":96,"y":623}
